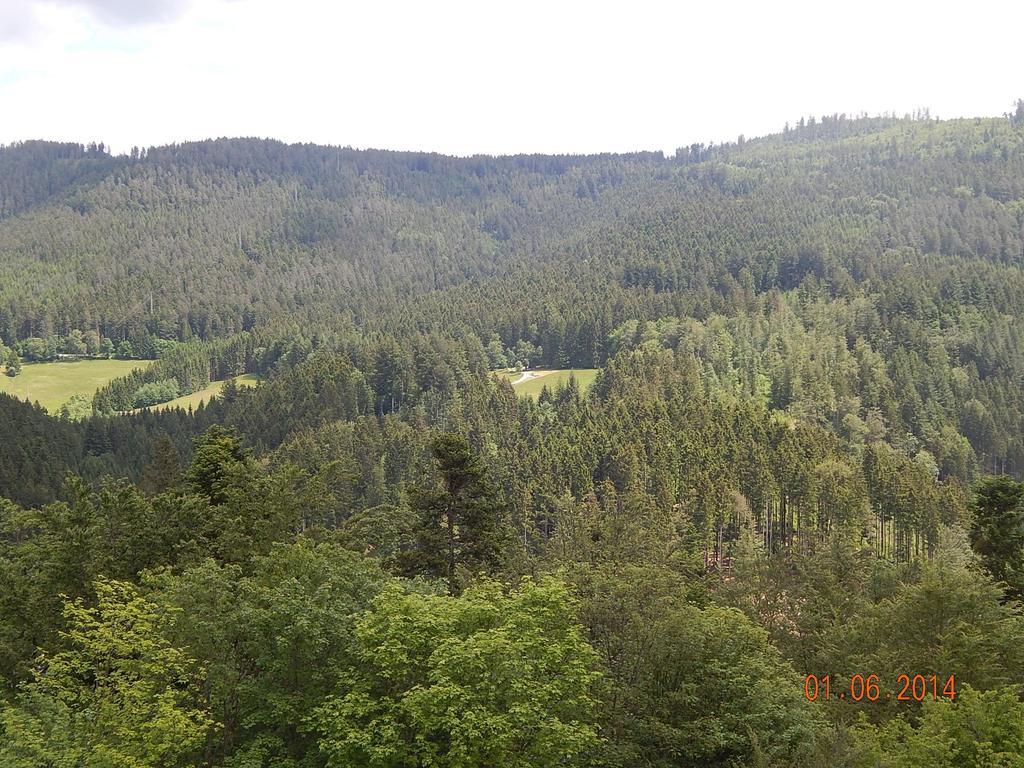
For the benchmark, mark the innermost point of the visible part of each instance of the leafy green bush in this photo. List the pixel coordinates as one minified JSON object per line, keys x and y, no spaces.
{"x":155,"y":392}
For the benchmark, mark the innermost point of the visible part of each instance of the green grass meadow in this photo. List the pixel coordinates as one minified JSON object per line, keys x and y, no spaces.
{"x":206,"y":393}
{"x":550,"y":378}
{"x":53,"y":384}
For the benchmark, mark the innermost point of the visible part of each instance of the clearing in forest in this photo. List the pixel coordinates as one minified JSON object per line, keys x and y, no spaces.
{"x":204,"y":395}
{"x":531,"y":382}
{"x":54,"y":383}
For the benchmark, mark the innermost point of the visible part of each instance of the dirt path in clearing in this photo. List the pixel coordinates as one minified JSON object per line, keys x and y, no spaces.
{"x":527,"y":375}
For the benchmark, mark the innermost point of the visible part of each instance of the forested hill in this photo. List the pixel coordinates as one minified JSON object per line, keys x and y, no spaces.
{"x":794,"y":478}
{"x":844,"y":270}
{"x":229,"y":234}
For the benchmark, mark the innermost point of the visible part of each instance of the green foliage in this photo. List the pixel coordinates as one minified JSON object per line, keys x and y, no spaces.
{"x":36,"y":452}
{"x":497,"y":355}
{"x":526,"y":353}
{"x":11,"y":361}
{"x":948,"y":621}
{"x":713,"y":660}
{"x":74,"y":343}
{"x":34,"y":349}
{"x":459,"y":523}
{"x":218,"y":456}
{"x":808,"y":344}
{"x":688,"y":685}
{"x":77,"y":408}
{"x":246,"y":511}
{"x":385,"y":531}
{"x":164,"y":472}
{"x":273,"y":641}
{"x":179,"y":368}
{"x":119,"y":695}
{"x":59,"y":550}
{"x":978,"y":730}
{"x":486,"y":678}
{"x":155,"y":392}
{"x":997,"y":530}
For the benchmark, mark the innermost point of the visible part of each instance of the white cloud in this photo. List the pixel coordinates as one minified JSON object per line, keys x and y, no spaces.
{"x":17,"y":21}
{"x":20,"y":22}
{"x":464,"y":77}
{"x":130,"y":11}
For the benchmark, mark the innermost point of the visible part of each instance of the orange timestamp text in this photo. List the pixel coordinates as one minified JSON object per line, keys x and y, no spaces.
{"x":871,"y":688}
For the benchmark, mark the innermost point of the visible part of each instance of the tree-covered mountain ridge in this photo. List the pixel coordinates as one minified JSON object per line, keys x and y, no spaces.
{"x":863,"y":274}
{"x":228,"y":233}
{"x":810,"y":362}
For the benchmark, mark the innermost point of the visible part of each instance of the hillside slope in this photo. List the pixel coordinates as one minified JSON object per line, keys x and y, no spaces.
{"x":904,"y":239}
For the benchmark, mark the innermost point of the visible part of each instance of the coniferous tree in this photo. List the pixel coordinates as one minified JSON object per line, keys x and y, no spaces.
{"x":164,"y":472}
{"x":997,"y":530}
{"x":460,"y":518}
{"x":217,"y":454}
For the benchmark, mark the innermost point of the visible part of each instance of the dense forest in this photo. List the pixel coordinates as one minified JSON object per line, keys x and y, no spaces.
{"x":792,"y":492}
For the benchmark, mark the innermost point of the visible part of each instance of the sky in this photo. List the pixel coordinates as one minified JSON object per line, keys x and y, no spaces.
{"x":491,"y":77}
